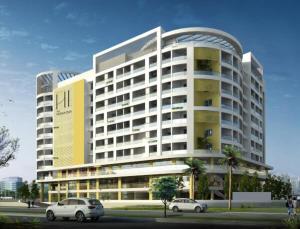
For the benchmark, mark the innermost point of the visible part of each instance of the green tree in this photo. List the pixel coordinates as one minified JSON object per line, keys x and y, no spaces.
{"x":23,"y":191}
{"x":8,"y":147}
{"x":278,"y":186}
{"x":231,"y":160}
{"x":165,"y":189}
{"x":255,"y":183}
{"x":203,"y":187}
{"x":180,"y":185}
{"x":203,"y":143}
{"x":34,"y":192}
{"x":244,"y":184}
{"x":195,"y":169}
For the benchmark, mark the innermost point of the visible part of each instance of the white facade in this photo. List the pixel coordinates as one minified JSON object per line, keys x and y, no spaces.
{"x":143,"y":110}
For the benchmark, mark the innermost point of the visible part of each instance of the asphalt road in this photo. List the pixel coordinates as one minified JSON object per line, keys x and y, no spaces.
{"x":146,"y":219}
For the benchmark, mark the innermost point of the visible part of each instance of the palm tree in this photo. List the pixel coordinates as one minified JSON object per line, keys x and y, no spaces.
{"x":196,"y":168}
{"x":231,"y":160}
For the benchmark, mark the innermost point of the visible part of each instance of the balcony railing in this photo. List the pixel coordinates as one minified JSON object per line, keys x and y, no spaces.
{"x":209,"y":73}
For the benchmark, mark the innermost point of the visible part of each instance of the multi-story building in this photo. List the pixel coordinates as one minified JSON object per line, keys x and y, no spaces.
{"x":146,"y":105}
{"x":9,"y":186}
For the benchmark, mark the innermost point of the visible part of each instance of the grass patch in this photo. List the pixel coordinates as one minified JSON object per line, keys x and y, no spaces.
{"x":140,"y":207}
{"x":212,"y":209}
{"x":249,"y":209}
{"x":203,"y":219}
{"x":8,"y":222}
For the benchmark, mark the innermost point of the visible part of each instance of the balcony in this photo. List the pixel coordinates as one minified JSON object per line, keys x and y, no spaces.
{"x":177,"y":58}
{"x":226,"y":91}
{"x":207,"y":73}
{"x":227,"y":137}
{"x":227,"y":122}
{"x":226,"y":76}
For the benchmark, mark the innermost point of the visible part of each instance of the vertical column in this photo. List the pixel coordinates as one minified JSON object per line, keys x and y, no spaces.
{"x":119,"y":187}
{"x":42,"y":192}
{"x":190,"y":100}
{"x":77,"y":188}
{"x":97,"y":188}
{"x":159,"y":92}
{"x":150,"y":192}
{"x":49,"y":197}
{"x":88,"y":188}
{"x":67,"y":189}
{"x":191,"y":188}
{"x":58,"y":192}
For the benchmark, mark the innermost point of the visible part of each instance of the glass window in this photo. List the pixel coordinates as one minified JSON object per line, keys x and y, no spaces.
{"x":81,"y":202}
{"x":73,"y":202}
{"x":65,"y":202}
{"x":94,"y":202}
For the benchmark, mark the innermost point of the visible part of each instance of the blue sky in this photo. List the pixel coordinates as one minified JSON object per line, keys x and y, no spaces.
{"x":41,"y":35}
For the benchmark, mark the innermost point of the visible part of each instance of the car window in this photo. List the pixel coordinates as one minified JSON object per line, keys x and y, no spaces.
{"x":94,"y":202}
{"x":81,"y":202}
{"x":65,"y":202}
{"x":73,"y":202}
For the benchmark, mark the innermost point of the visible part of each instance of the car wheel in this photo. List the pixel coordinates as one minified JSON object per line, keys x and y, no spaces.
{"x":94,"y":219}
{"x":197,"y":209}
{"x":175,"y":209}
{"x":50,"y":215}
{"x":65,"y":218}
{"x":80,"y":217}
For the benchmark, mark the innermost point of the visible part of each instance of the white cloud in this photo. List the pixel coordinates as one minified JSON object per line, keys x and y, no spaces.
{"x":71,"y":16}
{"x":89,"y":40}
{"x":60,"y":6}
{"x":20,"y":33}
{"x":7,"y":34}
{"x":288,"y":96}
{"x":70,"y":56}
{"x":48,"y":48}
{"x":30,"y":64}
{"x":4,"y":54}
{"x":4,"y":11}
{"x":47,"y":20}
{"x":276,"y":77}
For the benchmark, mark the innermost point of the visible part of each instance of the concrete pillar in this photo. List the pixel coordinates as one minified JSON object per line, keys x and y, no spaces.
{"x":150,"y":193}
{"x":58,"y":193}
{"x":67,"y":189}
{"x":97,"y":188}
{"x":191,"y":189}
{"x":212,"y":195}
{"x":77,"y":188}
{"x":49,"y":197}
{"x":88,"y":188}
{"x":119,"y":188}
{"x":42,"y":192}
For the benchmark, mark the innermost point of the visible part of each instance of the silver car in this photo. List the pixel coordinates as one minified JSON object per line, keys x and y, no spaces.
{"x":78,"y":208}
{"x":185,"y":204}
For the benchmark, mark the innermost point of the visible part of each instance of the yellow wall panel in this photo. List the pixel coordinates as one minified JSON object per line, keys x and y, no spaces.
{"x":212,"y":56}
{"x":68,"y":122}
{"x":205,"y":120}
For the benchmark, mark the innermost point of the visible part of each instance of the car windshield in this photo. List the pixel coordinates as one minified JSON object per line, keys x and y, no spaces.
{"x":94,"y":202}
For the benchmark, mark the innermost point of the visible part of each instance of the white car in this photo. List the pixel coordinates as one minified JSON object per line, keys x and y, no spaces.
{"x":79,"y":208}
{"x":185,"y":204}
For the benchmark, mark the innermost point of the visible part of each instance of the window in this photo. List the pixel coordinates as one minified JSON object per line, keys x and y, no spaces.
{"x":94,"y":202}
{"x":208,"y":103}
{"x":81,"y":202}
{"x":65,"y":202}
{"x":208,"y":132}
{"x":73,"y":202}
